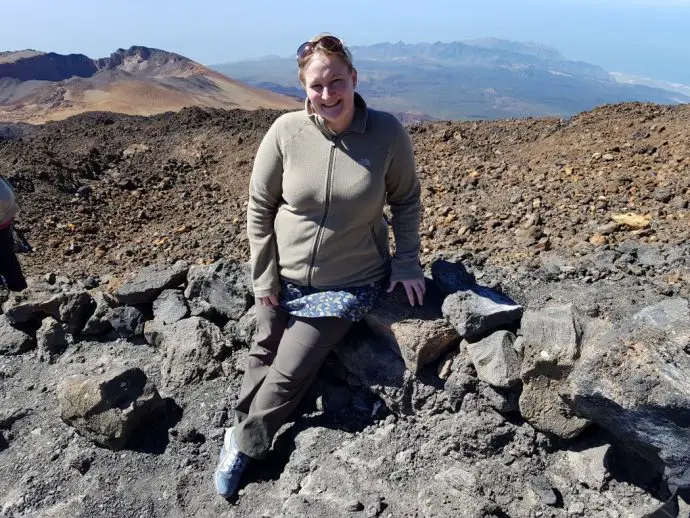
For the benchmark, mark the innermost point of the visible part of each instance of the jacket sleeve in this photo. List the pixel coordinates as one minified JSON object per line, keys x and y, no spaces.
{"x":8,"y":202}
{"x":403,"y":193}
{"x":265,"y":193}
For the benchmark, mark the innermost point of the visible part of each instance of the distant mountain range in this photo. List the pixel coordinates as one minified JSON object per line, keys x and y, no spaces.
{"x":478,"y":79}
{"x":38,"y":86}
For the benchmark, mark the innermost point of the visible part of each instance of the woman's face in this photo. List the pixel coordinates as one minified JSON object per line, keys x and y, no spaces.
{"x":330,"y":87}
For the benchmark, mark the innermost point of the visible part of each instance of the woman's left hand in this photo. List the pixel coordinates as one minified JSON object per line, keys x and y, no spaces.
{"x":412,"y":287}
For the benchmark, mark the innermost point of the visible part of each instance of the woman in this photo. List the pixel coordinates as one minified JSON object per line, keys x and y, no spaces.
{"x":319,"y":241}
{"x":10,"y":269}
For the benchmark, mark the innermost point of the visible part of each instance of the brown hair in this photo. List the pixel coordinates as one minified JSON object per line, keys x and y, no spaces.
{"x":345,"y":55}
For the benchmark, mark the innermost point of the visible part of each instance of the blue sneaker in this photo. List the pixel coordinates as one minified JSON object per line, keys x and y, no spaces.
{"x":231,"y":466}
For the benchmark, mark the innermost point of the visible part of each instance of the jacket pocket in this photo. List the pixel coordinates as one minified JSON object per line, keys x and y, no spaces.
{"x":382,"y":254}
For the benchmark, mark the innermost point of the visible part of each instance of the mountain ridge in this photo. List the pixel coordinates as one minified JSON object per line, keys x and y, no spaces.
{"x":478,"y":79}
{"x":40,"y":86}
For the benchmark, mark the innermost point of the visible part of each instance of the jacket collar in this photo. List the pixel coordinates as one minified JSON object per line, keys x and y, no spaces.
{"x":358,"y":124}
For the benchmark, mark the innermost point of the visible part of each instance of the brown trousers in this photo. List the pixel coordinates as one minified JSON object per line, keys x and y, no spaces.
{"x":283,"y":361}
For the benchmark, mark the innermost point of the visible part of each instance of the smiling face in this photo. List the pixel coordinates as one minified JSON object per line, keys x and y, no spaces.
{"x":330,"y":86}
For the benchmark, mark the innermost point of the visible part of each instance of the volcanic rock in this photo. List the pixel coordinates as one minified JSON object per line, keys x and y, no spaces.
{"x":552,"y":340}
{"x":12,"y":340}
{"x":420,"y":333}
{"x":194,"y":348}
{"x":107,"y":408}
{"x":150,"y":282}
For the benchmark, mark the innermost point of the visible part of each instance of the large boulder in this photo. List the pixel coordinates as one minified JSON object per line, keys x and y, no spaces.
{"x":194,"y":349}
{"x":106,"y":409}
{"x":552,"y":338}
{"x":478,"y":310}
{"x":379,"y":368}
{"x":222,"y":287}
{"x":72,"y":308}
{"x":495,"y":359}
{"x":420,"y":333}
{"x":33,"y":304}
{"x":12,"y":340}
{"x":150,"y":282}
{"x":635,"y":382}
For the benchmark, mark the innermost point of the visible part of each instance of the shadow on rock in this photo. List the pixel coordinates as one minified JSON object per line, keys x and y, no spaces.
{"x":152,"y":436}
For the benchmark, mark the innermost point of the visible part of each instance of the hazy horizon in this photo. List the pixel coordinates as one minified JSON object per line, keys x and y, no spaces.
{"x":638,"y":37}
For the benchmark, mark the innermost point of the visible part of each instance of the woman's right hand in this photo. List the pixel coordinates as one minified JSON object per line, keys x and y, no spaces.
{"x":270,"y":301}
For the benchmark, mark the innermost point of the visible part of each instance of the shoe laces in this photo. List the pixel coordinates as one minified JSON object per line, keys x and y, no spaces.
{"x":233,"y":461}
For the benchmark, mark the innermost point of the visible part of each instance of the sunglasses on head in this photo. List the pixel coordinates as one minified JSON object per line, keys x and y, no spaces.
{"x":328,"y":43}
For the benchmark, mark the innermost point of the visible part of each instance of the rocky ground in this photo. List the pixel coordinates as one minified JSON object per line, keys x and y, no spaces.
{"x":591,"y":211}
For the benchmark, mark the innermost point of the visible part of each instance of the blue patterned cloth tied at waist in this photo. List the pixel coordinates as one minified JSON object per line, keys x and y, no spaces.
{"x":347,"y":303}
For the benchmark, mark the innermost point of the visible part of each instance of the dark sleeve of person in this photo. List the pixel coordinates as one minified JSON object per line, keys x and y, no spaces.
{"x":10,"y":269}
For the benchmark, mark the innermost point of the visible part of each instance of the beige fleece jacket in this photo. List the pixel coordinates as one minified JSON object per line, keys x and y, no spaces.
{"x":316,"y":199}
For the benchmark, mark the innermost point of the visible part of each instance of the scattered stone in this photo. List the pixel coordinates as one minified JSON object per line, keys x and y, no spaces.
{"x":170,"y":307}
{"x":589,"y":466}
{"x":607,"y":228}
{"x":106,"y":409}
{"x":495,"y":359}
{"x":649,"y":256}
{"x":135,"y":149}
{"x":679,"y":202}
{"x":14,"y":341}
{"x":80,"y":460}
{"x":51,"y":339}
{"x":542,"y":487}
{"x":663,"y":194}
{"x":631,"y":220}
{"x":190,"y":434}
{"x":150,"y":282}
{"x":504,"y":401}
{"x":98,"y":323}
{"x":153,"y":332}
{"x":478,"y":310}
{"x":127,"y":321}
{"x":223,"y":285}
{"x":10,"y":416}
{"x":75,"y":310}
{"x":451,"y":276}
{"x":462,"y":380}
{"x":354,"y":506}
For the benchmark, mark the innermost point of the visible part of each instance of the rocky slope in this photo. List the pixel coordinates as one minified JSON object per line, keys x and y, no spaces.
{"x":572,"y":402}
{"x":524,"y":193}
{"x":37,"y":86}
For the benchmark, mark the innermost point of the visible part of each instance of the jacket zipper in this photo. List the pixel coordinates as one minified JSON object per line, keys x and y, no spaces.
{"x":327,"y":204}
{"x":376,"y":241}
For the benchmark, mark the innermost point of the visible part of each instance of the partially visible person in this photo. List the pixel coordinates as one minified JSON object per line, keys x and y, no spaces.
{"x":10,"y":269}
{"x":319,"y":241}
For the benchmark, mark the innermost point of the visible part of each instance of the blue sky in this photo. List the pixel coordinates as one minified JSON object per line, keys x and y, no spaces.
{"x":643,"y":37}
